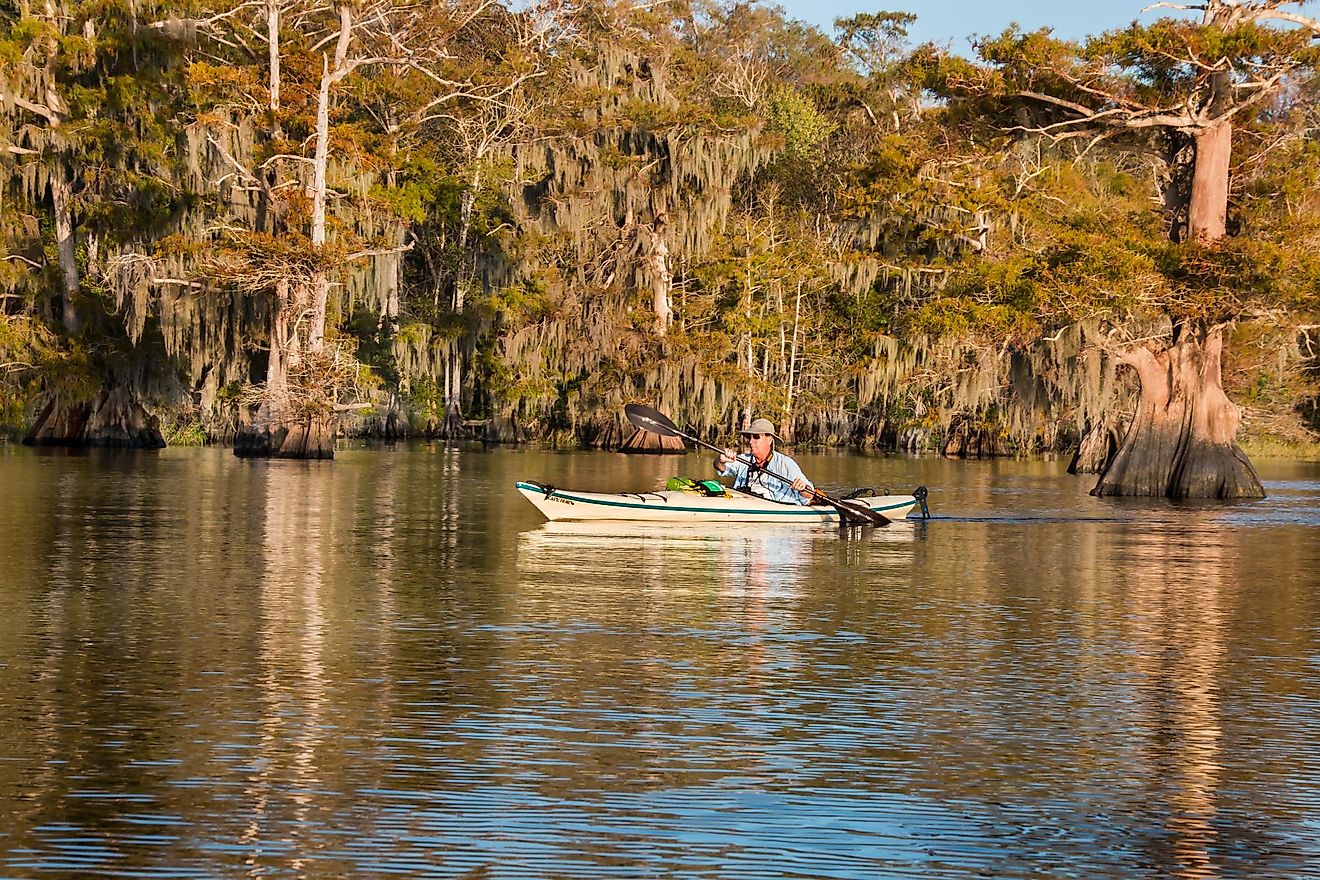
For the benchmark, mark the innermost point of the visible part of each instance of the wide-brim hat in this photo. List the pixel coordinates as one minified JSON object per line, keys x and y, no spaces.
{"x":760,"y":426}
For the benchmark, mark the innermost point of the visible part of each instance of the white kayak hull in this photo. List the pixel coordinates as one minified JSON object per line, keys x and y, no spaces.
{"x":566,"y":504}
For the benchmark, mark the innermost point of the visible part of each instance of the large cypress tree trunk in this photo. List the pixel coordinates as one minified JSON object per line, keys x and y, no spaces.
{"x":285,"y":425}
{"x":296,"y":418}
{"x":1182,"y":440}
{"x":114,"y":420}
{"x":1208,"y":212}
{"x":1100,"y":443}
{"x":277,"y":433}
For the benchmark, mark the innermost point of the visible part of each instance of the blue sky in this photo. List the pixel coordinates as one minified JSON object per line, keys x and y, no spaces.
{"x":952,"y":21}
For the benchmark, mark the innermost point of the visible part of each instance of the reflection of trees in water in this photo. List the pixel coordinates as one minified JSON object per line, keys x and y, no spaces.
{"x":1041,"y":653}
{"x":762,"y":571}
{"x":1179,"y":647}
{"x":449,"y":499}
{"x":1167,"y":596}
{"x":105,"y":592}
{"x":43,"y":742}
{"x":356,"y":631}
{"x":328,"y":561}
{"x":292,"y":684}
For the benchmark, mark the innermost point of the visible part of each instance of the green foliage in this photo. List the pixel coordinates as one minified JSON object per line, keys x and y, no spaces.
{"x":852,"y":230}
{"x":185,"y":432}
{"x":420,"y":190}
{"x":27,"y":348}
{"x":804,"y":130}
{"x":875,"y":39}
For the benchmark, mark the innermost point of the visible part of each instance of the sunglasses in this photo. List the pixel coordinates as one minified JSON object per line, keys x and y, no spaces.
{"x":757,"y":436}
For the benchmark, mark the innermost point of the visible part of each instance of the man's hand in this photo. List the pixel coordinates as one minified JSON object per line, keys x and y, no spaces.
{"x":726,"y":456}
{"x":801,"y":485}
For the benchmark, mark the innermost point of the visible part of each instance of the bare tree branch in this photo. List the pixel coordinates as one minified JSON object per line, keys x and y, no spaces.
{"x":380,"y":252}
{"x":47,"y":113}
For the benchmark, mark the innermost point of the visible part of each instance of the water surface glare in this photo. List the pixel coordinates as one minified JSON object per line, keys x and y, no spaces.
{"x":388,"y":665}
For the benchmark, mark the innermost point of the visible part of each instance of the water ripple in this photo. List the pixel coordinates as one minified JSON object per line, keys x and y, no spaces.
{"x":389,"y":666}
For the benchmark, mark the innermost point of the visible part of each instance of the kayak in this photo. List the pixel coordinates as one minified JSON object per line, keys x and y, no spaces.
{"x":687,"y":506}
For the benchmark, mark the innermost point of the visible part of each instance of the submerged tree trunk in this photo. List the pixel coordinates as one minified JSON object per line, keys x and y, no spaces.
{"x":394,"y":424}
{"x":277,"y":431}
{"x":1099,"y":445}
{"x":311,"y":437}
{"x":1181,"y":442}
{"x":964,"y":438}
{"x":114,"y":420}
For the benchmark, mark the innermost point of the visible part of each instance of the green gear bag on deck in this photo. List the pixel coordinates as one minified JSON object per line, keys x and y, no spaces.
{"x":708,"y":488}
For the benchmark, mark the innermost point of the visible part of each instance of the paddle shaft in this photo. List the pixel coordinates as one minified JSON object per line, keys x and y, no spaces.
{"x":750,"y":462}
{"x":657,"y":422}
{"x":842,"y":508}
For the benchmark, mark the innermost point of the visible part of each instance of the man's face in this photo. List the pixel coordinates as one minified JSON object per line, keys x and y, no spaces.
{"x":760,"y":444}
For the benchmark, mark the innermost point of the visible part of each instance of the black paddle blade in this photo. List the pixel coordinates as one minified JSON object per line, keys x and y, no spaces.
{"x":854,"y":513}
{"x":651,"y":420}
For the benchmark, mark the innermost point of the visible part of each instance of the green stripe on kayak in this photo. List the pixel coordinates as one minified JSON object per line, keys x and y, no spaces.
{"x":760,"y":511}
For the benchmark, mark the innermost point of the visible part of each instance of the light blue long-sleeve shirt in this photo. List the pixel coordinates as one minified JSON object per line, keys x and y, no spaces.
{"x":760,"y":483}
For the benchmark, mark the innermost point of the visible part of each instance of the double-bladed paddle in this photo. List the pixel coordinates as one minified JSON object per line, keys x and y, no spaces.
{"x":850,"y":512}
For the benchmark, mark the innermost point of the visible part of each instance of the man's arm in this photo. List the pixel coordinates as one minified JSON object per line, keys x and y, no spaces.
{"x":799,"y":481}
{"x":727,"y":463}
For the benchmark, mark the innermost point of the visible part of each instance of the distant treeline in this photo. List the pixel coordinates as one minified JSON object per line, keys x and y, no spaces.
{"x":270,"y":222}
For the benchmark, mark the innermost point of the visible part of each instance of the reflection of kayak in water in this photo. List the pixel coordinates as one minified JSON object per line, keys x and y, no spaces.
{"x":683,"y":506}
{"x":627,"y":535}
{"x":624,"y":534}
{"x":740,"y":560}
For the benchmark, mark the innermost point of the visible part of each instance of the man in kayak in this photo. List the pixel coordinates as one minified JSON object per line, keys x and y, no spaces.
{"x":761,"y":437}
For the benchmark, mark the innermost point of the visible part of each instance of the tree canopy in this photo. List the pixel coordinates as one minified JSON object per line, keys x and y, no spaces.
{"x":464,"y":217}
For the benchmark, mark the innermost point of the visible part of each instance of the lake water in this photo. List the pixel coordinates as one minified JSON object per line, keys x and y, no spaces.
{"x":388,"y":665}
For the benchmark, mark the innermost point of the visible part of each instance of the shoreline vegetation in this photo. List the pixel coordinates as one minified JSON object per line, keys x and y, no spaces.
{"x":273,"y":225}
{"x":192,"y":436}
